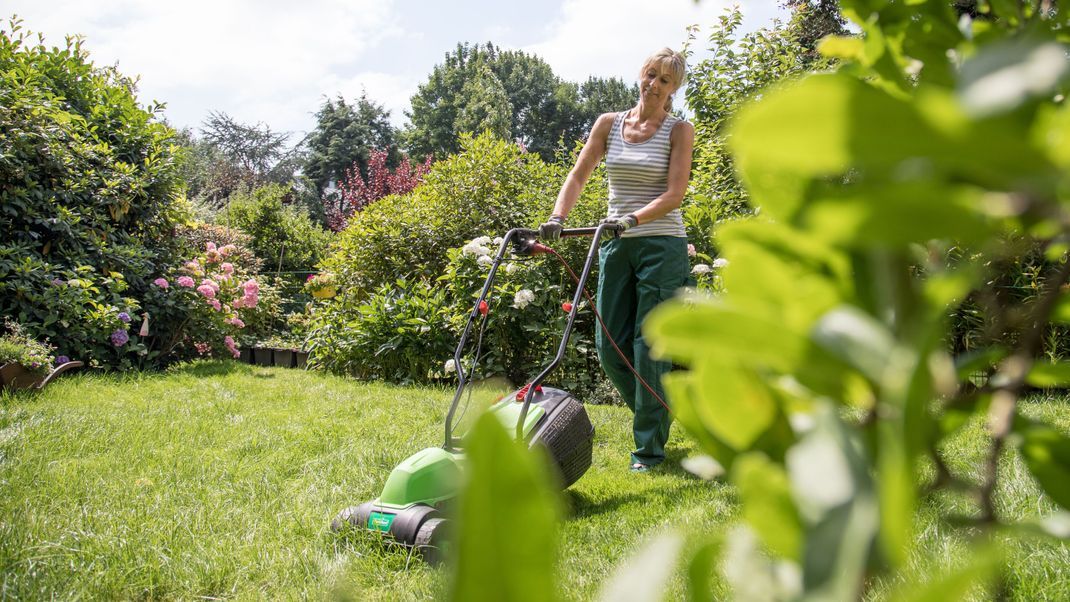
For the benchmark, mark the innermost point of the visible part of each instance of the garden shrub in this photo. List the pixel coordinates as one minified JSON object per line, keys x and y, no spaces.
{"x":490,"y":187}
{"x":282,"y":236}
{"x":91,"y":188}
{"x":400,"y":251}
{"x":19,"y":348}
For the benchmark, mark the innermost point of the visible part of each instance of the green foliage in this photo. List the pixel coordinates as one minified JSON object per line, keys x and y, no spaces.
{"x":511,"y":94}
{"x":90,"y":185}
{"x":16,"y":347}
{"x":509,"y":491}
{"x":738,"y":67}
{"x":865,"y":177}
{"x":282,"y":236}
{"x":490,"y":187}
{"x":406,"y":285}
{"x":345,"y":135}
{"x":400,"y":333}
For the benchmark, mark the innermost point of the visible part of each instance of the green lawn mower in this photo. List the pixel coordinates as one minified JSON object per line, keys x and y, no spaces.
{"x":410,"y":511}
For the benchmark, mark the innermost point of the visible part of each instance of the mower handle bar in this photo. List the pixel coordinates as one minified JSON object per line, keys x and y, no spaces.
{"x":516,"y":235}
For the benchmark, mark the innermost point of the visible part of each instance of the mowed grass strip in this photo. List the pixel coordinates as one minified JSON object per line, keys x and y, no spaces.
{"x":218,"y":480}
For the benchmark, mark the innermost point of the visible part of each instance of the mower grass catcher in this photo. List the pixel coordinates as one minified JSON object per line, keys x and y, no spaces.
{"x":410,"y":509}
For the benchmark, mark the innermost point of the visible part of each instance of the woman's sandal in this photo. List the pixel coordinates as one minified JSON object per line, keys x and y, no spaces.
{"x":639,"y":467}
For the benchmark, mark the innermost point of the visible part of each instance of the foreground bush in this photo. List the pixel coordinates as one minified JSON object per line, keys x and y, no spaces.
{"x":90,"y":188}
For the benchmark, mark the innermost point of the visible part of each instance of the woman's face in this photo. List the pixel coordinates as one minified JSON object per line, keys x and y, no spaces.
{"x":656,"y":85}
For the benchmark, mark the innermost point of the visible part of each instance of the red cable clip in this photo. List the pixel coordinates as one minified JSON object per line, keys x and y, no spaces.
{"x":524,"y":391}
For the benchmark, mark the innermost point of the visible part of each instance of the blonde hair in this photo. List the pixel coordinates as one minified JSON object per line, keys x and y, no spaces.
{"x":668,"y":61}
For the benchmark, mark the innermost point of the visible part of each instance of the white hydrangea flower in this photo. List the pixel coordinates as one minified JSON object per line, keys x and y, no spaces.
{"x":485,"y":260}
{"x":720,"y":262}
{"x":497,"y":241}
{"x":474,"y":248}
{"x":701,"y":268}
{"x":522,"y":298}
{"x":451,"y":366}
{"x":481,"y":241}
{"x":511,"y":268}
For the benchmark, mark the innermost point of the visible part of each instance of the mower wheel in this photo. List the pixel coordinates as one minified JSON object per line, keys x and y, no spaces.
{"x":356,"y":516}
{"x":433,"y":539}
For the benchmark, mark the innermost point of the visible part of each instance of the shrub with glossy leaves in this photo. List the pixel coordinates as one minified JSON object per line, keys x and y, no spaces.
{"x":90,"y":186}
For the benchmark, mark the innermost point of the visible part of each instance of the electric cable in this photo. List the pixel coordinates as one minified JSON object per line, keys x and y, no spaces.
{"x":605,"y":329}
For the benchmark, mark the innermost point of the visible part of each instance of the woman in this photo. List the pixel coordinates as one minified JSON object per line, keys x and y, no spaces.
{"x":648,"y":160}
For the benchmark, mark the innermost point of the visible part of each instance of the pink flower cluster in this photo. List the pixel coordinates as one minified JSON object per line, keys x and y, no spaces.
{"x":162,"y":283}
{"x":186,"y":281}
{"x":252,"y":294}
{"x":231,"y":346}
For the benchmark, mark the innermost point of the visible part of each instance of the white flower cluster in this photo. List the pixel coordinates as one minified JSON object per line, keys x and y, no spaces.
{"x":523,"y":298}
{"x":702,"y":268}
{"x":478,"y":246}
{"x":451,"y":366}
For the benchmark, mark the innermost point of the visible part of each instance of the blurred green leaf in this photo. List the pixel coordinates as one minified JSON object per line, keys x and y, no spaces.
{"x":734,"y":404}
{"x":822,"y":126}
{"x":832,"y":487}
{"x":1002,"y":76}
{"x":898,"y":214}
{"x":507,"y":521}
{"x":699,"y":568}
{"x":680,"y":386}
{"x":1046,"y":375}
{"x":896,"y":489}
{"x":857,"y":339}
{"x":643,"y":576}
{"x":767,"y":504}
{"x":1046,"y":452}
{"x":978,"y":360}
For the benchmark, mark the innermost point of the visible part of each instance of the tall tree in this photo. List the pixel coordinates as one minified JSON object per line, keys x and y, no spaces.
{"x":346,"y":134}
{"x":542,"y":109}
{"x":230,"y":153}
{"x":487,"y":107}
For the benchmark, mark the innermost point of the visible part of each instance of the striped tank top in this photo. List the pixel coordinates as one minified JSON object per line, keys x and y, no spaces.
{"x":639,"y":173}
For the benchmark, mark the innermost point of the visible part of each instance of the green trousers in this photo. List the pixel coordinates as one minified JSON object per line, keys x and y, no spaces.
{"x":634,"y":275}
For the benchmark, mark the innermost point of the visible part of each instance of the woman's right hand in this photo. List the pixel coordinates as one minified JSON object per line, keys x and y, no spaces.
{"x":551,"y":229}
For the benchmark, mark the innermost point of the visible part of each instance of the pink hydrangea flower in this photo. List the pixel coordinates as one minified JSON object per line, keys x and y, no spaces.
{"x":206,"y":290}
{"x":691,"y":252}
{"x":216,"y":305}
{"x":231,"y":346}
{"x":211,"y":283}
{"x":235,"y":321}
{"x":210,"y":246}
{"x":227,"y":250}
{"x":185,"y":281}
{"x":250,"y":299}
{"x":238,"y":303}
{"x":162,"y":283}
{"x":228,"y":268}
{"x":203,"y":348}
{"x":251,"y":285}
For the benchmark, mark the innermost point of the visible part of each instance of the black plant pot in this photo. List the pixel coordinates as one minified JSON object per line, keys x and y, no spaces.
{"x":245,"y":355}
{"x":262,"y":357}
{"x":284,"y":358}
{"x":302,"y":359}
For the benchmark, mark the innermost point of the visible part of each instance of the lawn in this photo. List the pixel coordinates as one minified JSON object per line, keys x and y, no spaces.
{"x":218,"y":480}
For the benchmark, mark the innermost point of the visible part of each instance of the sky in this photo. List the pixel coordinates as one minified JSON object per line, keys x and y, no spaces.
{"x":276,"y":61}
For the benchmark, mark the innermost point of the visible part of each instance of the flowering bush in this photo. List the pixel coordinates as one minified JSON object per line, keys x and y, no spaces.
{"x":526,"y":312}
{"x":213,"y":301}
{"x":18,"y":347}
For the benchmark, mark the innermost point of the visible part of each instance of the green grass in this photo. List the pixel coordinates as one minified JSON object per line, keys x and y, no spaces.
{"x":218,"y":480}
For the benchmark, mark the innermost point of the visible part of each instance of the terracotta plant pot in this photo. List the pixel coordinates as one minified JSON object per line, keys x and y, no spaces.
{"x":15,"y":376}
{"x":284,"y":358}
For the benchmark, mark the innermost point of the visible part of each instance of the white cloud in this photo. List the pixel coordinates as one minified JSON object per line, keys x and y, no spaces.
{"x":257,"y":60}
{"x":611,"y":38}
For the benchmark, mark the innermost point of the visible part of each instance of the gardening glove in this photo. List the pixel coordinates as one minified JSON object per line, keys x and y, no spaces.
{"x":622,"y":223}
{"x":551,"y":230}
